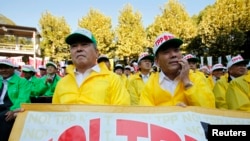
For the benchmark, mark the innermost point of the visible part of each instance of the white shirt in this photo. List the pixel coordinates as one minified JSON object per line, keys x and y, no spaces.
{"x":145,"y":77}
{"x":80,"y":77}
{"x":5,"y":86}
{"x":168,"y":84}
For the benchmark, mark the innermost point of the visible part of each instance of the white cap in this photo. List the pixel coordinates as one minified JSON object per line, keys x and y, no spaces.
{"x":145,"y":55}
{"x":28,"y":68}
{"x":235,"y":60}
{"x":6,"y":62}
{"x":127,"y":67}
{"x":217,"y":66}
{"x":118,"y":66}
{"x":51,"y":63}
{"x":42,"y":67}
{"x":190,"y":57}
{"x":166,"y":39}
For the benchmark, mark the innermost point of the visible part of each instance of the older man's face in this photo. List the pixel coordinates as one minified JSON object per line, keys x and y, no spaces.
{"x":83,"y":54}
{"x":168,"y":59}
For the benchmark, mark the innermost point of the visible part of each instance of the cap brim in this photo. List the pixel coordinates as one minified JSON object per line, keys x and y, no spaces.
{"x":150,"y":57}
{"x":49,"y":64}
{"x":75,"y":37}
{"x":175,"y":42}
{"x":193,"y":59}
{"x":7,"y":64}
{"x":242,"y":62}
{"x":102,"y":58}
{"x":26,"y":70}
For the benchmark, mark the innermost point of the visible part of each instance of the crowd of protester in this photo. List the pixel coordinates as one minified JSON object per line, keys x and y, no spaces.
{"x":165,"y":78}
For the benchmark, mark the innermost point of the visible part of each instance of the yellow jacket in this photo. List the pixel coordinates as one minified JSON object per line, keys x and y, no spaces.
{"x":238,"y":93}
{"x":220,"y":89}
{"x":103,"y":88}
{"x":197,"y":95}
{"x":135,"y":88}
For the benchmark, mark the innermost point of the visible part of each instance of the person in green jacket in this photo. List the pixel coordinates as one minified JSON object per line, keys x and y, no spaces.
{"x":175,"y":85}
{"x":14,"y":91}
{"x":29,"y":74}
{"x":87,"y":81}
{"x":47,"y":84}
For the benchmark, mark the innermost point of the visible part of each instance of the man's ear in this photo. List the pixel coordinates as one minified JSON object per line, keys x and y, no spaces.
{"x":97,"y":53}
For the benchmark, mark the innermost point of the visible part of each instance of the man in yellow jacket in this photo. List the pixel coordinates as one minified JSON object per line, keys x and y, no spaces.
{"x":217,"y":72}
{"x":87,"y":81}
{"x":175,"y":85}
{"x":139,"y":80}
{"x":238,"y":94}
{"x":236,"y":68}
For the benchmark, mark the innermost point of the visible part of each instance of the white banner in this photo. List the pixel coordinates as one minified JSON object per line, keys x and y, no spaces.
{"x":140,"y":124}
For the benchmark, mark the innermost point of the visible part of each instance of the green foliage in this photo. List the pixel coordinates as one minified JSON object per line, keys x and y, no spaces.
{"x":223,"y":26}
{"x":53,"y":31}
{"x":130,"y":33}
{"x":101,"y":27}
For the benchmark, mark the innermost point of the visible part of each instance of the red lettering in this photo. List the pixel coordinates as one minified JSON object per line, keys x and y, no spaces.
{"x":188,"y":138}
{"x":159,"y":133}
{"x":72,"y":133}
{"x":131,"y":129}
{"x":94,"y":130}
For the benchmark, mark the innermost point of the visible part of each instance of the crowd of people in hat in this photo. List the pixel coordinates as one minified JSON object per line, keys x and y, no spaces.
{"x":165,"y":79}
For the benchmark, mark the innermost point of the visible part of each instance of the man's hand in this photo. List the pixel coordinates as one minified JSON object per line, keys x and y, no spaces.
{"x":10,"y":115}
{"x":184,"y":73}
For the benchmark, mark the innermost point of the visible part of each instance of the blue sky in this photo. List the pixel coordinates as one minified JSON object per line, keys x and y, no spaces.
{"x":28,"y":12}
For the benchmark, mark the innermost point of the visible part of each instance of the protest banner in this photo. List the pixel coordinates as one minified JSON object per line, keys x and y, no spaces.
{"x":51,"y":122}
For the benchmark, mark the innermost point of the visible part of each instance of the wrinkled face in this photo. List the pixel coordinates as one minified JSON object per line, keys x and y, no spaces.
{"x":6,"y":71}
{"x":168,"y":59}
{"x":51,"y":69}
{"x":238,"y":69}
{"x":83,"y":54}
{"x":145,"y":64}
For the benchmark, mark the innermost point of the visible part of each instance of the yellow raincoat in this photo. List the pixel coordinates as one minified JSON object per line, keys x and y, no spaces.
{"x":197,"y":95}
{"x":101,"y":88}
{"x":220,"y":89}
{"x":238,"y":93}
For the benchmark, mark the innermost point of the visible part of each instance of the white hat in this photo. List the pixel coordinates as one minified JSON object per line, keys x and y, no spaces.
{"x":235,"y":60}
{"x":217,"y":66}
{"x":118,"y":66}
{"x":80,"y":34}
{"x":102,"y":57}
{"x":166,"y":39}
{"x":145,"y":55}
{"x":127,"y":67}
{"x":190,"y":57}
{"x":51,"y":64}
{"x":6,"y":62}
{"x":42,"y":67}
{"x":28,"y":68}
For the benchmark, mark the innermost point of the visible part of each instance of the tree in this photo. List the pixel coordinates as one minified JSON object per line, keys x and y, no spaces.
{"x":101,"y":27}
{"x":174,"y":19}
{"x":131,"y":36}
{"x":53,"y":31}
{"x":223,"y":26}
